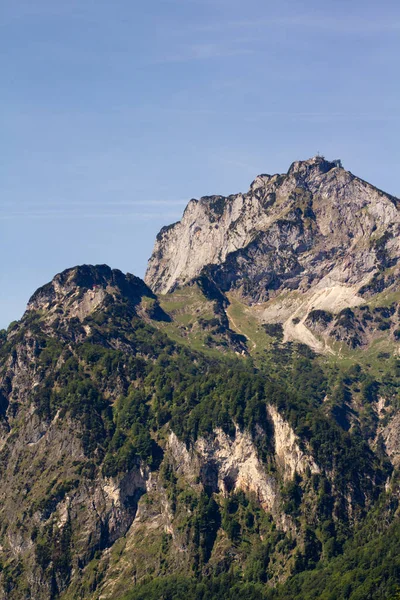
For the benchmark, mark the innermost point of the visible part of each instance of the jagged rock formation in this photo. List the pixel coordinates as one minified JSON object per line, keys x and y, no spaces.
{"x":317,"y":231}
{"x":76,"y":293}
{"x":318,"y":224}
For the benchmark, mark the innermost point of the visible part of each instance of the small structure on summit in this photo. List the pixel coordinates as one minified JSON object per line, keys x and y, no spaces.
{"x":338,"y":163}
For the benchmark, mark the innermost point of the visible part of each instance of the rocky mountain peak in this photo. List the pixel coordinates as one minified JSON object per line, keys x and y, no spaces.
{"x":300,"y":171}
{"x":77,"y":291}
{"x":317,"y":224}
{"x":313,"y":166}
{"x":259,"y":182}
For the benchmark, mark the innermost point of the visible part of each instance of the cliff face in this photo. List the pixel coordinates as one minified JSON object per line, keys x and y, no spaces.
{"x":318,"y":225}
{"x":317,"y":239}
{"x":77,"y":293}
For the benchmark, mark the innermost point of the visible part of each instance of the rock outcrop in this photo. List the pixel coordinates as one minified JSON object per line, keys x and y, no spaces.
{"x":79,"y":291}
{"x":317,"y":225}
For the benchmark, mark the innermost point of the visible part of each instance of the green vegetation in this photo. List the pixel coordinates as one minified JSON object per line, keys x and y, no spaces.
{"x":367,"y":569}
{"x":224,"y":587}
{"x":120,"y":385}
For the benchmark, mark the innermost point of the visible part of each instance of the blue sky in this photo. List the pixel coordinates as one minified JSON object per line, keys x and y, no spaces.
{"x":113,"y":114}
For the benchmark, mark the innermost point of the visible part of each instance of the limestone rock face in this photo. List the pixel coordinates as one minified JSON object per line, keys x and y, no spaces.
{"x":80,"y":290}
{"x":225,"y":464}
{"x":289,"y":457}
{"x":317,"y":225}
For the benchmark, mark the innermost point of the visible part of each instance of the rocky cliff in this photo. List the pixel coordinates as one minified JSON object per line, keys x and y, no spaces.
{"x":316,"y":237}
{"x":317,"y":224}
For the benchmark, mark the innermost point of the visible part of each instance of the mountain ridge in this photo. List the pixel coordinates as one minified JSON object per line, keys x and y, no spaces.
{"x":214,"y":228}
{"x":316,"y":237}
{"x":235,"y":436}
{"x":125,"y":453}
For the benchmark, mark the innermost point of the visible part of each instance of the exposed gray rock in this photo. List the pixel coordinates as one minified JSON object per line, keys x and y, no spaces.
{"x":316,"y":225}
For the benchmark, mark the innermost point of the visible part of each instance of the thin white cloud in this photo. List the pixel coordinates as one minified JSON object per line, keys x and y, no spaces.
{"x":320,"y":116}
{"x":361,"y":116}
{"x":37,"y":215}
{"x":205,"y":51}
{"x":94,"y":204}
{"x":344,"y":24}
{"x":341,"y":24}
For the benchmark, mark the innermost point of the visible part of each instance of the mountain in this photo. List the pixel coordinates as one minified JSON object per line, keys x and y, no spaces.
{"x":317,"y":225}
{"x":175,"y":438}
{"x":315,"y":239}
